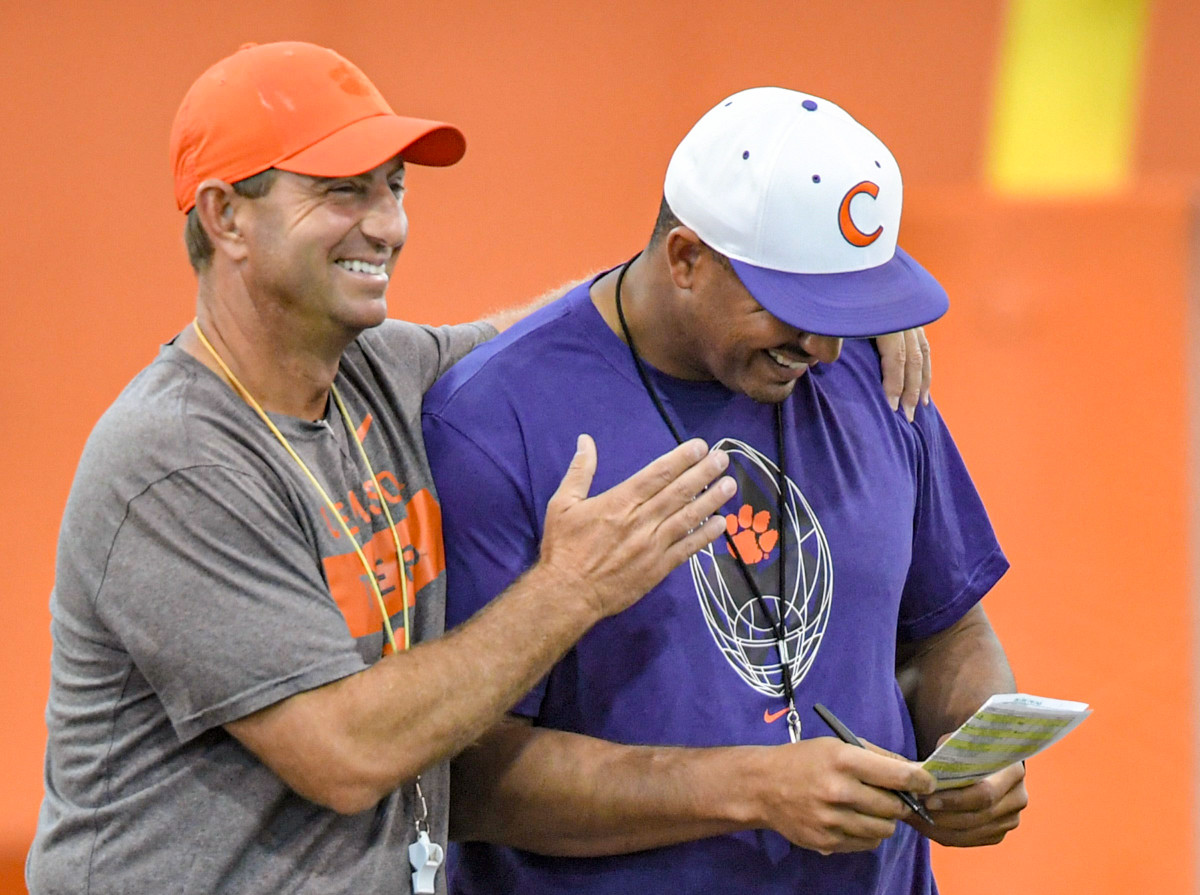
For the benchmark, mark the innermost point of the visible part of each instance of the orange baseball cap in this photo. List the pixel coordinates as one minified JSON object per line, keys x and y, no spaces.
{"x":297,"y":107}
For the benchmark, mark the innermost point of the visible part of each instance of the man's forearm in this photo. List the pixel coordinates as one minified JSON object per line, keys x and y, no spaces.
{"x":558,"y":793}
{"x":946,"y":678}
{"x":347,"y":744}
{"x":356,"y":739}
{"x":502,"y":320}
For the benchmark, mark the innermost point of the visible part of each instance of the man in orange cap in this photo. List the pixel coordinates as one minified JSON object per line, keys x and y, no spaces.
{"x":249,"y":691}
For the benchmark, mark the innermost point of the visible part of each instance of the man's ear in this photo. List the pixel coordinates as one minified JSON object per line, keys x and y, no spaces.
{"x":684,"y":251}
{"x":218,"y":204}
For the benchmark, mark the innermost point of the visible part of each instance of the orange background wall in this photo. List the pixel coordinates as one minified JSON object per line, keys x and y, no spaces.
{"x":1062,"y":366}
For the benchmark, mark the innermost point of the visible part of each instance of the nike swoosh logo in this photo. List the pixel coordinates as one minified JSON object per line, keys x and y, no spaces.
{"x":361,"y":431}
{"x":772,"y":717}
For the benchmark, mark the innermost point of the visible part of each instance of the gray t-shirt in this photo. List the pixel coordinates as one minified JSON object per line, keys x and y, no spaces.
{"x":200,"y":577}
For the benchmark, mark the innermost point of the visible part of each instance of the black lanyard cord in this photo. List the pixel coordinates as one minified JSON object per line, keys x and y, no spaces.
{"x":778,"y":625}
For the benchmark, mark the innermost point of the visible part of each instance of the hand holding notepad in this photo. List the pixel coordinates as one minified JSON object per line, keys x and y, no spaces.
{"x":1008,"y":728}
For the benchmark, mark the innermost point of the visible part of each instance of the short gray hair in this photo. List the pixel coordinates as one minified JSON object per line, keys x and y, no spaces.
{"x":199,"y":246}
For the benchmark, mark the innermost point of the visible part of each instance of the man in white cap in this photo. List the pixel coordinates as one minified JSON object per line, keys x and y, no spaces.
{"x":675,"y":748}
{"x":249,"y":693}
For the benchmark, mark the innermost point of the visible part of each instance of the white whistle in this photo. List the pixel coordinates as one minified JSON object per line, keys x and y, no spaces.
{"x":793,"y":724}
{"x":426,"y":857}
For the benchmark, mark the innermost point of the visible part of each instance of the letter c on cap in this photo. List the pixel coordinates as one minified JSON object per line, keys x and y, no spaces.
{"x":853,"y":235}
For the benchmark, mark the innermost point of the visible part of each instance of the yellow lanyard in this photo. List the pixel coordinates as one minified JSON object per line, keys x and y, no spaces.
{"x":402,"y":571}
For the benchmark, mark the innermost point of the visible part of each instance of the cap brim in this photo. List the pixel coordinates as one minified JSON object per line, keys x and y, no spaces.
{"x":897,"y":295}
{"x":369,"y":142}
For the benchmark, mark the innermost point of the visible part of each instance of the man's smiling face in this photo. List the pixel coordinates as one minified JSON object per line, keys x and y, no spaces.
{"x":322,"y":249}
{"x":734,"y":340}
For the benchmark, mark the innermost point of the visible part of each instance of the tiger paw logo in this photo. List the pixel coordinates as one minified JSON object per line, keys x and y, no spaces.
{"x":751,"y":533}
{"x":743,"y":618}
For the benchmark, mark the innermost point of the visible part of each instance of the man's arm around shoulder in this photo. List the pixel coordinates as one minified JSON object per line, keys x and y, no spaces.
{"x":507,"y":317}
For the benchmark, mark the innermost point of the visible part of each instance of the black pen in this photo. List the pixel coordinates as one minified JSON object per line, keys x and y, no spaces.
{"x":846,"y":736}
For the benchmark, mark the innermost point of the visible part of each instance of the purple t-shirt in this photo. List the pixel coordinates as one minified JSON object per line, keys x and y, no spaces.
{"x":886,"y":541}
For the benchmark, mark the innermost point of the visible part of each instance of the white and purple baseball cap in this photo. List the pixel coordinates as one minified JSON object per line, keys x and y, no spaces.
{"x":805,"y":202}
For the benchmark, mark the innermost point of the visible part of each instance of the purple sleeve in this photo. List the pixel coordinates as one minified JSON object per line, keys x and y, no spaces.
{"x":489,"y":525}
{"x":956,"y":558}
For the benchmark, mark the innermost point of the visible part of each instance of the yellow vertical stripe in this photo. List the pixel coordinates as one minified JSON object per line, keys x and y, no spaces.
{"x":1066,"y":97}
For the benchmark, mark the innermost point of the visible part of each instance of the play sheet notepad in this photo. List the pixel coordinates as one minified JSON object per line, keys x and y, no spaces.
{"x":1008,"y":728}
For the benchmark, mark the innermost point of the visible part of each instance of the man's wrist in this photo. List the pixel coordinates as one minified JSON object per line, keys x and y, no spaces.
{"x":734,"y":785}
{"x":758,"y":785}
{"x":571,"y":592}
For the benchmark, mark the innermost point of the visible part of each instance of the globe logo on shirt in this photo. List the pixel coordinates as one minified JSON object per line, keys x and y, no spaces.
{"x":741,"y":631}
